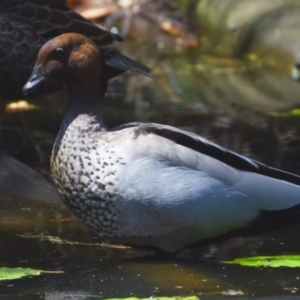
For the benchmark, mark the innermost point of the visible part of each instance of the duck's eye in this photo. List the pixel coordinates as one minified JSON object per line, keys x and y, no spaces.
{"x":59,"y":52}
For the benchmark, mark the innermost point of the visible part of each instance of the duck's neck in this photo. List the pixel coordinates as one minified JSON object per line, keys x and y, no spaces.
{"x":83,"y":107}
{"x":85,"y":96}
{"x":82,"y":114}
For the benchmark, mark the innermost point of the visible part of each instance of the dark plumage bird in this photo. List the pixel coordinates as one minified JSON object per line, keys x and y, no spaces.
{"x":147,"y":184}
{"x":25,"y":25}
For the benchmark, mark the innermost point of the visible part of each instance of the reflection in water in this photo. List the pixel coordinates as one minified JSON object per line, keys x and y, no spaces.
{"x":238,"y":106}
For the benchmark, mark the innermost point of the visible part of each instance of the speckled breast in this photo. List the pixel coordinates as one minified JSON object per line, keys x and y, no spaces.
{"x":84,"y":176}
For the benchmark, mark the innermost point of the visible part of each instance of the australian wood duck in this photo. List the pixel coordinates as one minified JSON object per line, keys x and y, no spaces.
{"x":25,"y":25}
{"x":147,"y":184}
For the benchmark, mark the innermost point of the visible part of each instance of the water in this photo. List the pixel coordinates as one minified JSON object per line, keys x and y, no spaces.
{"x":238,"y":105}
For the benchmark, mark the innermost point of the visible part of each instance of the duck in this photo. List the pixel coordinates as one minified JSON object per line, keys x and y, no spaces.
{"x":147,"y":184}
{"x":26,"y":25}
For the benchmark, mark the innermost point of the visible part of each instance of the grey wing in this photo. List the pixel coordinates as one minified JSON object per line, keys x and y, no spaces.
{"x":167,"y":200}
{"x":173,"y":188}
{"x":201,"y":145}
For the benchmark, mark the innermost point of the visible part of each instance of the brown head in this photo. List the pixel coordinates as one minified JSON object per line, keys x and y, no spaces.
{"x":70,"y":60}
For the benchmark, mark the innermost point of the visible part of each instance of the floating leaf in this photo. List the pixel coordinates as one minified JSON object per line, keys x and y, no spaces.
{"x":295,"y":112}
{"x":290,"y":261}
{"x":17,"y":273}
{"x":158,"y":298}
